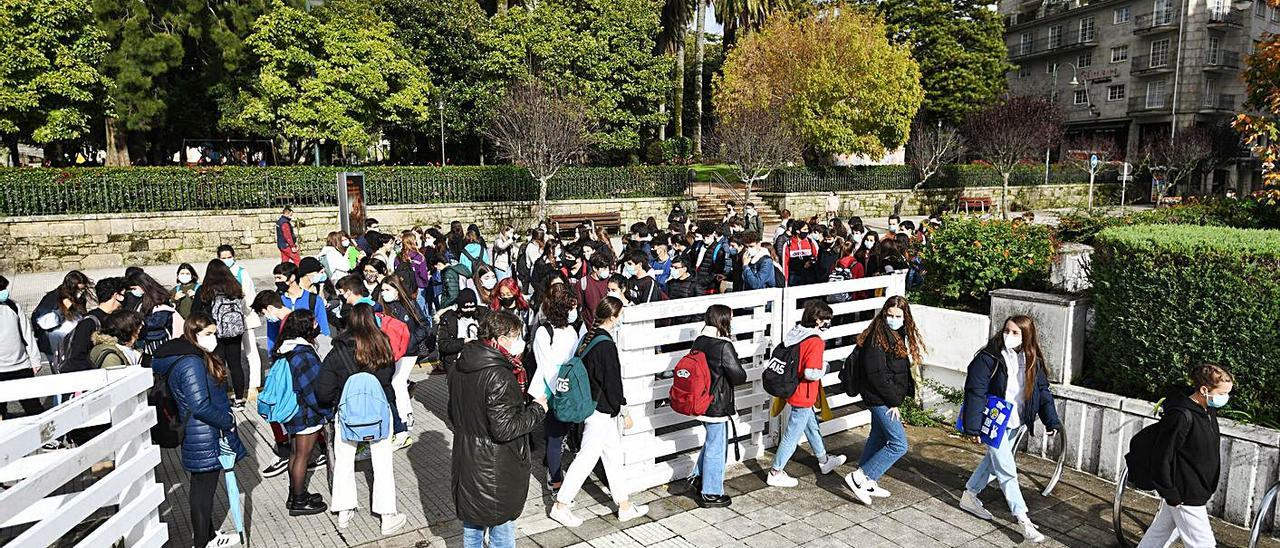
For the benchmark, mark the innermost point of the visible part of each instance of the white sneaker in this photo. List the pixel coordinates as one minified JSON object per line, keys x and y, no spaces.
{"x":344,"y":518}
{"x":401,"y":441}
{"x":970,"y":503}
{"x":1029,"y":531}
{"x":832,"y":462}
{"x":781,"y":479}
{"x":409,"y":422}
{"x":858,"y":482}
{"x":392,"y":523}
{"x":224,"y":540}
{"x":634,"y":511}
{"x":874,"y":489}
{"x":565,"y":516}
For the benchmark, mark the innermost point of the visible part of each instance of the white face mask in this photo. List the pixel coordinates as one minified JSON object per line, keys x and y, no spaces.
{"x":229,"y":262}
{"x":895,"y":323}
{"x":573,"y":315}
{"x":207,"y":341}
{"x":603,"y":273}
{"x":184,"y":278}
{"x":868,"y":244}
{"x":390,"y":295}
{"x":616,"y":295}
{"x":517,"y":347}
{"x":489,"y":282}
{"x":346,"y":242}
{"x":1012,"y":341}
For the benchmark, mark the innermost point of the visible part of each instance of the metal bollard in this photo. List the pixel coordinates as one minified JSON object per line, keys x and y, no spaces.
{"x":1268,"y":500}
{"x":1117,"y":503}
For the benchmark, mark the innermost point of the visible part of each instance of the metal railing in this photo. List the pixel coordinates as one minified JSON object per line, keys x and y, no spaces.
{"x":1226,"y":17}
{"x":1051,"y":44}
{"x":1222,"y":59}
{"x":1217,"y":101}
{"x":1150,"y":103}
{"x":1159,"y":20}
{"x":1268,"y":503}
{"x":1148,"y":64}
{"x":1061,"y":460}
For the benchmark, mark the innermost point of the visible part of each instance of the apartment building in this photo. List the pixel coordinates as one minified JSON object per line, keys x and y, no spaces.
{"x":1135,"y":70}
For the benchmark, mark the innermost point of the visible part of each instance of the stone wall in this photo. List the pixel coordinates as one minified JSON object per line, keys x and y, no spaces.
{"x":879,"y":203}
{"x":65,"y":242}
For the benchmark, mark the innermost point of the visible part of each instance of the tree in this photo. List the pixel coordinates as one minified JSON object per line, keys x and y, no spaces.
{"x":1083,"y":148}
{"x":835,"y":77}
{"x":700,"y":45}
{"x":541,"y":131}
{"x":1011,"y":132}
{"x":337,"y":74}
{"x":960,"y":47}
{"x":50,"y":83}
{"x":1178,"y":159}
{"x":755,"y":141}
{"x":1261,"y":130}
{"x":674,"y":25}
{"x":933,"y":146}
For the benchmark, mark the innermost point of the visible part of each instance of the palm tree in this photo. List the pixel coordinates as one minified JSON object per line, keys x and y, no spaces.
{"x":748,"y":15}
{"x":674,"y":26}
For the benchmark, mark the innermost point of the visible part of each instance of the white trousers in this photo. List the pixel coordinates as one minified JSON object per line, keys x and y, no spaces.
{"x":1189,"y":523}
{"x":344,"y":476}
{"x":400,"y":384}
{"x":601,"y":441}
{"x":252,"y":360}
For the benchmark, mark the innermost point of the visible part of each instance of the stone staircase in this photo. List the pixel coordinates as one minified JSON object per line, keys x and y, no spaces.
{"x":712,"y":198}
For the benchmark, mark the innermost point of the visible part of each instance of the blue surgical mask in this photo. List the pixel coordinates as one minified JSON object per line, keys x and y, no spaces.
{"x":319,"y":277}
{"x":4,"y":295}
{"x":1217,"y":400}
{"x":894,"y":323}
{"x":229,"y":262}
{"x":629,"y":271}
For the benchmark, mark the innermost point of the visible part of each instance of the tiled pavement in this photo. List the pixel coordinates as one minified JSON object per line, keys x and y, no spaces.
{"x":820,"y":512}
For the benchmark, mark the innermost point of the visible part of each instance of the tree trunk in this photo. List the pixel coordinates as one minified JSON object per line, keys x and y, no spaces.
{"x":662,"y":128}
{"x":117,"y":143}
{"x":542,"y":200}
{"x":1004,"y":196}
{"x":701,"y":41}
{"x":12,"y":145}
{"x":677,"y":103}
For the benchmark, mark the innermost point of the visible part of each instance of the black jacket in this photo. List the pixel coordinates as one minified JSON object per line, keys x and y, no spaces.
{"x":726,"y":373}
{"x":1186,"y":454}
{"x":448,"y":340}
{"x":491,"y":423}
{"x":682,"y":289}
{"x":989,"y":376}
{"x":417,"y":329}
{"x":605,"y":373}
{"x":888,"y":377}
{"x":339,"y":364}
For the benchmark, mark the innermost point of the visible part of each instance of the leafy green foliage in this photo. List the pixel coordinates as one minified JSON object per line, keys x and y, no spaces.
{"x":890,"y":177}
{"x":1083,"y":226}
{"x":968,"y":257}
{"x":1167,"y":297}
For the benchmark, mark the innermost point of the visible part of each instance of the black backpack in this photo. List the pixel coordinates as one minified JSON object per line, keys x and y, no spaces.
{"x":169,"y":428}
{"x":782,"y":374}
{"x":1140,"y":458}
{"x":851,"y":374}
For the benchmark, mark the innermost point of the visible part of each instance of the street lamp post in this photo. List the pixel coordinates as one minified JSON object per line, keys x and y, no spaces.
{"x":442,"y":132}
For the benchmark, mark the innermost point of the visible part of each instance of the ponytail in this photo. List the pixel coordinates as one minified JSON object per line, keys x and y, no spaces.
{"x":608,"y":309}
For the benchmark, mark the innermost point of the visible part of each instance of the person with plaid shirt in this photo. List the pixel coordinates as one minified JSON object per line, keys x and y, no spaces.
{"x":297,"y":346}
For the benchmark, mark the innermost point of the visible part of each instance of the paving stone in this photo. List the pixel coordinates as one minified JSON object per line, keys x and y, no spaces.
{"x":826,"y":542}
{"x":682,"y":523}
{"x":827,"y":522}
{"x":556,"y":538}
{"x":674,"y":542}
{"x":770,"y":517}
{"x":663,"y":508}
{"x":935,"y":528}
{"x":863,"y":538}
{"x":594,"y":528}
{"x":714,"y":515}
{"x":650,"y":533}
{"x":615,"y":540}
{"x":740,"y":527}
{"x":768,"y":539}
{"x":707,"y":537}
{"x":798,"y":532}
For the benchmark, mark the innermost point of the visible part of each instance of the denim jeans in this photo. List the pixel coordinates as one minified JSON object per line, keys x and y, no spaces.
{"x":801,"y":421}
{"x":556,"y":432}
{"x":500,"y":536}
{"x":885,"y":445}
{"x":998,"y":464}
{"x":710,"y":464}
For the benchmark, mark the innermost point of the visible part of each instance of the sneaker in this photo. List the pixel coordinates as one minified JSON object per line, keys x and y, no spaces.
{"x":362,"y":452}
{"x":1029,"y":531}
{"x":320,"y":461}
{"x":564,"y":515}
{"x":832,"y":462}
{"x":401,"y":441}
{"x":858,"y":482}
{"x":237,"y":405}
{"x":408,"y":420}
{"x":781,"y":479}
{"x":305,"y":507}
{"x":344,"y":518}
{"x":632,"y":512}
{"x":713,"y":501}
{"x":224,"y":540}
{"x":874,"y":489}
{"x":276,"y":468}
{"x":970,"y":503}
{"x":392,"y":523}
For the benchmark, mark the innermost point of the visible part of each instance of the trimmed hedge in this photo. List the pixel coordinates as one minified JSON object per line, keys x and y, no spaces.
{"x":968,"y":257}
{"x":1167,"y":297}
{"x":1084,"y":225}
{"x":43,"y":191}
{"x":853,"y":178}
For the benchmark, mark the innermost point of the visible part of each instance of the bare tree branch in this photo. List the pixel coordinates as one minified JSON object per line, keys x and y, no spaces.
{"x":1006,"y":134}
{"x":932,"y":147}
{"x":1081,"y":149}
{"x":1178,"y":159}
{"x":756,"y":140}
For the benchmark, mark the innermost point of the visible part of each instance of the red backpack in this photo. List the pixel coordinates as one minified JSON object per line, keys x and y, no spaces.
{"x":691,"y":386}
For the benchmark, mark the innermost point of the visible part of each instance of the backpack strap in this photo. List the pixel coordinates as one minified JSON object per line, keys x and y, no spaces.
{"x":14,"y":306}
{"x":591,"y":345}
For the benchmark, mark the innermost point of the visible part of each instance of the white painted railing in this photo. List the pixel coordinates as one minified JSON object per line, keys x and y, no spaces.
{"x":115,"y":398}
{"x":652,"y":337}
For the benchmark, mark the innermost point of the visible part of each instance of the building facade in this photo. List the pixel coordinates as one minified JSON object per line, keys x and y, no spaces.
{"x":1137,"y":70}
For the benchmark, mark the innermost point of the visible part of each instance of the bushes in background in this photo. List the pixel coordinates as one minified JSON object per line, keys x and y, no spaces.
{"x":895,"y":177}
{"x":1084,"y":225}
{"x":968,"y":257}
{"x":1170,"y":296}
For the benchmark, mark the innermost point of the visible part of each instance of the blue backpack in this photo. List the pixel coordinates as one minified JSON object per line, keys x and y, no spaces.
{"x":363,"y":412}
{"x":571,"y":397}
{"x":278,"y":402}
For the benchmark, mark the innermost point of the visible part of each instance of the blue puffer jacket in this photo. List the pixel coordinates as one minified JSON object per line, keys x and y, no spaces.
{"x":201,"y":402}
{"x":989,"y":376}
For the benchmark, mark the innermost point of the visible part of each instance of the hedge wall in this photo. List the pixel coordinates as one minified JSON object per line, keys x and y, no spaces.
{"x":823,"y":179}
{"x":42,"y":191}
{"x":1167,"y":297}
{"x":1248,"y":212}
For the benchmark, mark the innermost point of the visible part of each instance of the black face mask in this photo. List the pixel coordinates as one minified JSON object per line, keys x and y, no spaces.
{"x":568,"y":263}
{"x":282,"y":286}
{"x":507,"y":302}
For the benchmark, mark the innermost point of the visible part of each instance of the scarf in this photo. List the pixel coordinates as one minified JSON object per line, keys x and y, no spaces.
{"x":522,"y":376}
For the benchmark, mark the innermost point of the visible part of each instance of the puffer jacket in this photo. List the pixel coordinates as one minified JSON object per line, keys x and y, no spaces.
{"x":888,"y":377}
{"x":988,"y":375}
{"x":491,"y":423}
{"x":201,"y":403}
{"x":726,"y":372}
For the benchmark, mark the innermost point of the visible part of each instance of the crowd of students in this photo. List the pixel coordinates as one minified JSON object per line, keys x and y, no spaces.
{"x":510,"y":321}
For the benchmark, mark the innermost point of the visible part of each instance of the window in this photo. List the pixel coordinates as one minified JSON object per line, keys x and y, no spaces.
{"x":1159,"y":53}
{"x":1084,"y":60}
{"x":1275,"y":14}
{"x":1055,"y":36}
{"x":1156,"y":94}
{"x":1024,"y":71}
{"x":1120,"y":16}
{"x":1163,"y":13}
{"x":1024,"y":44}
{"x":1210,"y":98}
{"x":1051,"y":68}
{"x":1119,"y":54}
{"x":1082,"y":97}
{"x":1214,"y":54}
{"x":1260,"y":8}
{"x":1086,"y":29}
{"x":1115,"y":93}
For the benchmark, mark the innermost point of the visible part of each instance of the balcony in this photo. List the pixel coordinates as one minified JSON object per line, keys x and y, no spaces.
{"x":1050,"y":46}
{"x":1151,"y":23}
{"x":1225,"y":18}
{"x":1221,"y":60}
{"x":1216,"y":103}
{"x":1150,"y":104}
{"x":1151,"y":65}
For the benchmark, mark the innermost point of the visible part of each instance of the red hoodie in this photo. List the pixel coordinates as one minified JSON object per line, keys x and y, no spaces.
{"x":806,"y":394}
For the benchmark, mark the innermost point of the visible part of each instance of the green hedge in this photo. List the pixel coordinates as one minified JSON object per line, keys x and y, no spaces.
{"x":968,"y":257}
{"x":853,"y":178}
{"x":1167,"y":297}
{"x":44,"y":191}
{"x":1084,"y":225}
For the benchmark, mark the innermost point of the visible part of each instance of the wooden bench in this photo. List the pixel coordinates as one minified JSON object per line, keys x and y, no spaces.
{"x":611,"y":221}
{"x":967,"y":202}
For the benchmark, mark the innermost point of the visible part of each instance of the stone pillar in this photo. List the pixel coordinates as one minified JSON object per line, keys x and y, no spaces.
{"x":1060,"y":323}
{"x":1070,"y":271}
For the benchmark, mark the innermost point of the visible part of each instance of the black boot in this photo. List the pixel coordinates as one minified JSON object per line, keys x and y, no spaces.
{"x":306,"y":505}
{"x":713,"y":501}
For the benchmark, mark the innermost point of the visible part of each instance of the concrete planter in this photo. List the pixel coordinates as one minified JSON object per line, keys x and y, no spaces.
{"x":1061,"y":323}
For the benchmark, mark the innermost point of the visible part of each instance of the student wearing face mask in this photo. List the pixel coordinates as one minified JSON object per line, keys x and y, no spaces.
{"x":502,"y":251}
{"x":394,"y":304}
{"x":506,"y":296}
{"x":371,"y":271}
{"x":334,"y":255}
{"x":757,"y":264}
{"x":894,"y":222}
{"x":1010,"y":367}
{"x":306,"y":430}
{"x":799,"y":256}
{"x":888,"y":347}
{"x":458,"y":326}
{"x":802,"y":421}
{"x":660,"y":264}
{"x":618,"y":289}
{"x":222,"y":297}
{"x":751,"y":221}
{"x":554,"y":341}
{"x":269,"y":305}
{"x":681,"y":285}
{"x":485,"y":281}
{"x":114,"y":343}
{"x":184,"y":293}
{"x":640,"y":286}
{"x":867,"y":253}
{"x":1186,"y":459}
{"x":110,"y":295}
{"x":287,"y":276}
{"x":19,"y":352}
{"x":711,"y":259}
{"x":592,"y":289}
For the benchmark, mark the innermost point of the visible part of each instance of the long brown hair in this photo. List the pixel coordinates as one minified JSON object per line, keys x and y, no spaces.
{"x":405,"y":297}
{"x":373,"y":349}
{"x":879,"y":332}
{"x":1030,"y":348}
{"x":409,"y":245}
{"x":195,"y":323}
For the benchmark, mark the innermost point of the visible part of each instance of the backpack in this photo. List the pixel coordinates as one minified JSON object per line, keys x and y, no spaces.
{"x":691,"y":387}
{"x":363,"y":412}
{"x":228,"y":314}
{"x":278,"y":402}
{"x":63,"y":352}
{"x":571,"y":398}
{"x":781,"y":376}
{"x":168,"y":431}
{"x":851,"y":377}
{"x":156,"y":330}
{"x":839,"y":274}
{"x":1140,"y":458}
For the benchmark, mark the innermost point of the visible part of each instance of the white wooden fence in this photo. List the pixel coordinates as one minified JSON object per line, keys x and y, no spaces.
{"x":662,"y":445}
{"x":115,"y":398}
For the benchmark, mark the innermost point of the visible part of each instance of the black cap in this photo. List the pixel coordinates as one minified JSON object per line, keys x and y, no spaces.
{"x":467,"y":300}
{"x":309,"y":265}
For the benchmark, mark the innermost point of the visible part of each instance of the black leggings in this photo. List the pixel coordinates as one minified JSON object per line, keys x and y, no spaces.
{"x":230,"y":351}
{"x":204,"y":490}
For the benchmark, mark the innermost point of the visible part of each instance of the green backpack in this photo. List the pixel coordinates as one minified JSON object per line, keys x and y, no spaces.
{"x":571,"y":397}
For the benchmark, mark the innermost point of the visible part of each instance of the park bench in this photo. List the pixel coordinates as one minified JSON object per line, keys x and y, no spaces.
{"x":569,"y":223}
{"x":966,"y":202}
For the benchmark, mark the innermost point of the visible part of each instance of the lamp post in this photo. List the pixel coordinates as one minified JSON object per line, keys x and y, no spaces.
{"x":441,"y":132}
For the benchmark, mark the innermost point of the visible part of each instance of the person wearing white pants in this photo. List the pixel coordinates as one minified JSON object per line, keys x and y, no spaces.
{"x":1187,"y":523}
{"x":344,"y":481}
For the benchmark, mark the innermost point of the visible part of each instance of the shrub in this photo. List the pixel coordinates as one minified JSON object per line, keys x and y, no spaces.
{"x":1169,"y":297}
{"x":968,"y":257}
{"x":1084,"y":225}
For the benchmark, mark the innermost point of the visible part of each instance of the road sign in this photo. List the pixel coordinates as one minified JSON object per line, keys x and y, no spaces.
{"x":1093,"y":161}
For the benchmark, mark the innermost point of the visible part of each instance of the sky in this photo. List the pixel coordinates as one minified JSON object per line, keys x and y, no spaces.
{"x":713,"y":26}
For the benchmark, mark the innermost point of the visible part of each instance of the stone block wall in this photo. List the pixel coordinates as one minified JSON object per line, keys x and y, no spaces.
{"x":65,"y":242}
{"x":879,"y":203}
